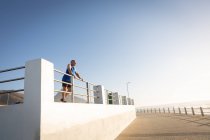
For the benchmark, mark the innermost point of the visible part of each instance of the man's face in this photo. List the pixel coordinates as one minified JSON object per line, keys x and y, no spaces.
{"x":73,"y":63}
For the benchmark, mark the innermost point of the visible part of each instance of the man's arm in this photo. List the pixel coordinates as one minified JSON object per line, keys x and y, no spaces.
{"x":77,"y":74}
{"x":69,"y":69}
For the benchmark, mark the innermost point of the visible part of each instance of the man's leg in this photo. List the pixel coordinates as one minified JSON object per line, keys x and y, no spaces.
{"x":65,"y":89}
{"x":69,"y":90}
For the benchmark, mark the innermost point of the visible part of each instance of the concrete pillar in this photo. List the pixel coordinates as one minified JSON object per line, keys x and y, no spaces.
{"x":132,"y":102}
{"x":100,"y":93}
{"x":115,"y":98}
{"x":124,"y":100}
{"x":129,"y":101}
{"x":38,"y":93}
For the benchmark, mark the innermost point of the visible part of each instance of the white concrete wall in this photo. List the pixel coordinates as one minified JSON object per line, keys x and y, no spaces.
{"x":40,"y":118}
{"x":11,"y":122}
{"x":85,"y":121}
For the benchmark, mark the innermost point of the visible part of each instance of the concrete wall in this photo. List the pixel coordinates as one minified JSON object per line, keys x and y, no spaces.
{"x":85,"y":122}
{"x":11,"y":122}
{"x":40,"y":118}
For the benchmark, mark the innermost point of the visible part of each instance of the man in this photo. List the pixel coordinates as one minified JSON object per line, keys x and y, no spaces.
{"x":67,"y":87}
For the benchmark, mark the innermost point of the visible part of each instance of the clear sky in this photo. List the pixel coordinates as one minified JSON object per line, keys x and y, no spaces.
{"x":162,"y":47}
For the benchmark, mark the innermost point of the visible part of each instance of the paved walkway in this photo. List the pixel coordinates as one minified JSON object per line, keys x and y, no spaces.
{"x":167,"y":127}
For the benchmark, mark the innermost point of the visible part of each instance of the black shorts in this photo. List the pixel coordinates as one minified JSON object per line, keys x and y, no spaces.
{"x":66,"y":85}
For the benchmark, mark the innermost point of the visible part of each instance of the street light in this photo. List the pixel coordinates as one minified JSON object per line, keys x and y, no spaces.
{"x":127,"y":88}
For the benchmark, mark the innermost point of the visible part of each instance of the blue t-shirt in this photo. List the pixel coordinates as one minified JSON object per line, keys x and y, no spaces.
{"x":67,"y":78}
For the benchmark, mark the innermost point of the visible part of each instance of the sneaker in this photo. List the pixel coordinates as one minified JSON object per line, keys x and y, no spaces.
{"x":64,"y":100}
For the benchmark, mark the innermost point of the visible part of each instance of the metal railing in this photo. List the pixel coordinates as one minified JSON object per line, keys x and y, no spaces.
{"x":110,"y":97}
{"x":87,"y":88}
{"x":11,"y":80}
{"x":12,"y":69}
{"x":203,"y":111}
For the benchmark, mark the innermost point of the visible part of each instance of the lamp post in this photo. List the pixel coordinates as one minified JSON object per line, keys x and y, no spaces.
{"x":127,"y":88}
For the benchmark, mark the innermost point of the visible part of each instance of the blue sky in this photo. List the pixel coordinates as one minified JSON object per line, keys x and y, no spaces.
{"x":161,"y":47}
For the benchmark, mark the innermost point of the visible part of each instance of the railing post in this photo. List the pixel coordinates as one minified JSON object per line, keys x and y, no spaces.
{"x":159,"y":110}
{"x":193,"y":112}
{"x":88,"y":94}
{"x":155,"y":110}
{"x":180,"y":111}
{"x":201,"y":109}
{"x":185,"y":109}
{"x":168,"y":110}
{"x":7,"y":98}
{"x":174,"y":110}
{"x":72,"y":89}
{"x":164,"y":110}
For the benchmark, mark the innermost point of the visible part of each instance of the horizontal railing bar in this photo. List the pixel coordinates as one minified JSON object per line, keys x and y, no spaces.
{"x":72,"y":75}
{"x":83,"y":88}
{"x":80,"y":87}
{"x":93,"y":96}
{"x":73,"y":85}
{"x":92,"y":91}
{"x":12,"y":91}
{"x":108,"y":90}
{"x":17,"y":68}
{"x":92,"y":84}
{"x":10,"y":80}
{"x":111,"y":100}
{"x":61,"y":91}
{"x":62,"y":82}
{"x":74,"y":93}
{"x":62,"y":72}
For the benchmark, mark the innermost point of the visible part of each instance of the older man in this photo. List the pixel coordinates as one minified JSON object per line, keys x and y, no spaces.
{"x":70,"y":70}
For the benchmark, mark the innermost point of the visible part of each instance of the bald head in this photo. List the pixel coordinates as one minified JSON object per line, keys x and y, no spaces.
{"x":73,"y":62}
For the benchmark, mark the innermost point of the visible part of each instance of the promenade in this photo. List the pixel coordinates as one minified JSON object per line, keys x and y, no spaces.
{"x":151,"y":126}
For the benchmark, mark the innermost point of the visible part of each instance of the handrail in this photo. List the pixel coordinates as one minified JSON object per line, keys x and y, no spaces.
{"x":75,"y":78}
{"x":10,"y":80}
{"x":108,"y":90}
{"x":17,"y":68}
{"x":62,"y":82}
{"x":75,"y":93}
{"x":73,"y":85}
{"x":84,"y":88}
{"x":180,"y":110}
